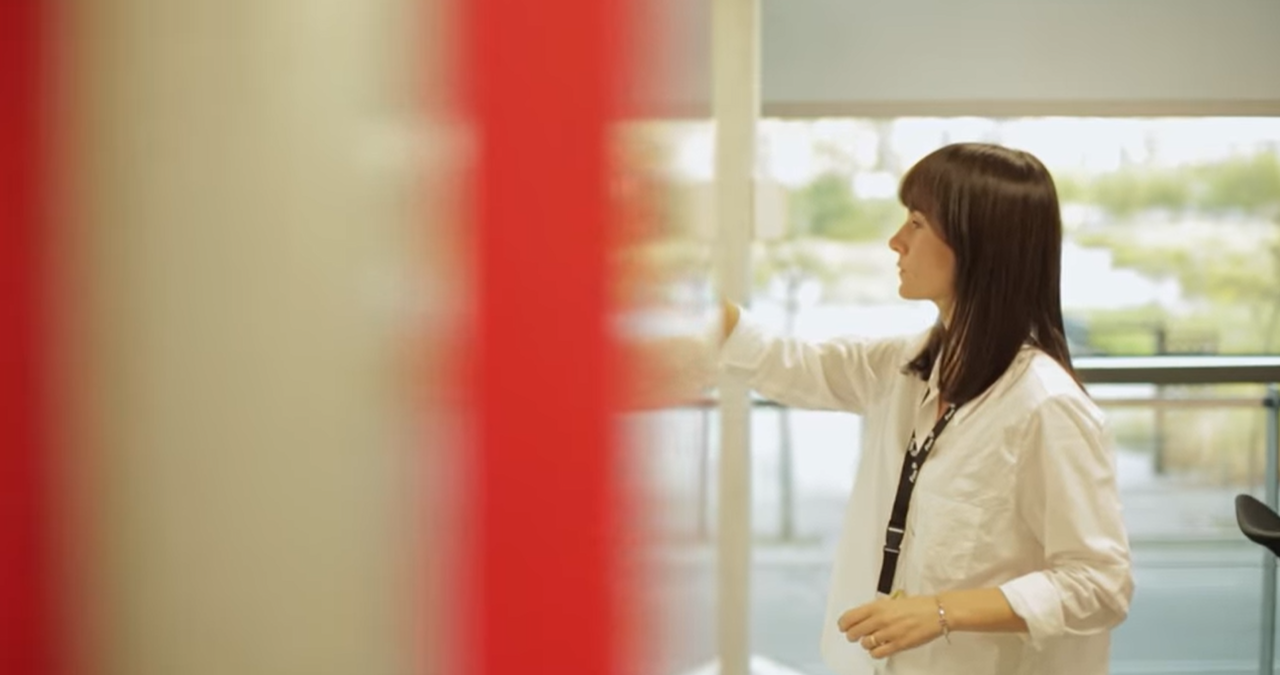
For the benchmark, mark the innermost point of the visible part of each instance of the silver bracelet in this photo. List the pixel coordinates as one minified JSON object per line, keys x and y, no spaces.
{"x":942,"y":620}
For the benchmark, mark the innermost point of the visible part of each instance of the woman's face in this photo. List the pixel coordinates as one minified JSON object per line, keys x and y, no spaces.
{"x":926,"y":264}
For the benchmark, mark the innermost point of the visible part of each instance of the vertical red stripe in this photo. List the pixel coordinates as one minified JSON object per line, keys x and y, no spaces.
{"x":27,"y":629}
{"x":542,"y":570}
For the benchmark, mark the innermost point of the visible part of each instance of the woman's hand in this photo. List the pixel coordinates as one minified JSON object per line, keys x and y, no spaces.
{"x":891,"y":625}
{"x":729,"y":317}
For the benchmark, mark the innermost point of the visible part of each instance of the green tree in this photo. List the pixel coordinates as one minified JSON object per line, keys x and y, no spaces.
{"x":827,"y":208}
{"x":1071,"y":188}
{"x":1240,"y":184}
{"x":1250,"y":184}
{"x":1129,"y":191}
{"x":1242,"y":290}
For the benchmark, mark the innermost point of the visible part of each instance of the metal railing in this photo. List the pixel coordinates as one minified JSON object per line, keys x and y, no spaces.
{"x":1161,"y":371}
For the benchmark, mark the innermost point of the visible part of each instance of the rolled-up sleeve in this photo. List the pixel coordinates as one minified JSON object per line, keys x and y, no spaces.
{"x":842,"y":374}
{"x":1068,"y":497}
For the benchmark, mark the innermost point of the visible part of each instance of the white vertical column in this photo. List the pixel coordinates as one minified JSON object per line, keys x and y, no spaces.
{"x":736,"y":102}
{"x":1267,"y":660}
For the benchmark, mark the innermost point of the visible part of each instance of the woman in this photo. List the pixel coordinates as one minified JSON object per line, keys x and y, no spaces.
{"x":984,"y":533}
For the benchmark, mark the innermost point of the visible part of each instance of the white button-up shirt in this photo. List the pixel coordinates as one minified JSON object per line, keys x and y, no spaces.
{"x":1019,"y":493}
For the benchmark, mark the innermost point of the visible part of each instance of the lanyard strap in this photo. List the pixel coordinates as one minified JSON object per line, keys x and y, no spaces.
{"x":911,"y":463}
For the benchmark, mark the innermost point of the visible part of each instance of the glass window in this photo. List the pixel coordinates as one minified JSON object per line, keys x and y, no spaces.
{"x":1172,"y":247}
{"x":664,"y":267}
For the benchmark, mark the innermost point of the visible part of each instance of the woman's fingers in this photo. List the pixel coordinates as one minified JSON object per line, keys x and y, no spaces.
{"x":886,"y":627}
{"x":862,"y":629}
{"x":850,"y":620}
{"x":885,"y":650}
{"x":890,"y":640}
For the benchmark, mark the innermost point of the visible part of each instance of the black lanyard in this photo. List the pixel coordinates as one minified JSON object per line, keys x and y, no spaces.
{"x":911,"y":464}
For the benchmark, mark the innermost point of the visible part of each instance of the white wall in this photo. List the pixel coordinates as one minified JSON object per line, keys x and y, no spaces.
{"x":990,"y":57}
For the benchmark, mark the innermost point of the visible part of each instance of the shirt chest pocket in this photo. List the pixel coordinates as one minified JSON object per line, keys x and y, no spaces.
{"x":945,"y":535}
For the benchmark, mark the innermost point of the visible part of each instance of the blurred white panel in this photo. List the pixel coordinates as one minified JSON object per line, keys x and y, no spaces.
{"x":245,"y":260}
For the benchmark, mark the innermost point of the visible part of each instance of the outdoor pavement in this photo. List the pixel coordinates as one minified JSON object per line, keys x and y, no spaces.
{"x":1197,"y":608}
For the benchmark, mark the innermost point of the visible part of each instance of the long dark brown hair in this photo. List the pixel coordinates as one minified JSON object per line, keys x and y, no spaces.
{"x":998,"y":210}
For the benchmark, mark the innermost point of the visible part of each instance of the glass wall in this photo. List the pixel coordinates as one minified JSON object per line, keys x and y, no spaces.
{"x":1172,"y":247}
{"x":665,"y":269}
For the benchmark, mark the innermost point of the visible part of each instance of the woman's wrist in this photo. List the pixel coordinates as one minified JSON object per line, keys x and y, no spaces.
{"x":982,"y":610}
{"x":944,"y":618}
{"x":953,"y":609}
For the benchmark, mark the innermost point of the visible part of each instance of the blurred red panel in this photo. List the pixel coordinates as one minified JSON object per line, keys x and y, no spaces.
{"x":542,"y":83}
{"x":29,"y":639}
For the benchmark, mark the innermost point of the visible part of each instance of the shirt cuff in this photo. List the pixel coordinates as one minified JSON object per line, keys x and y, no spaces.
{"x":1034,"y":598}
{"x":746,"y":346}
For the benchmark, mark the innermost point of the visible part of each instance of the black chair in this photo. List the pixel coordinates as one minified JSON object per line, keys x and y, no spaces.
{"x":1258,"y":522}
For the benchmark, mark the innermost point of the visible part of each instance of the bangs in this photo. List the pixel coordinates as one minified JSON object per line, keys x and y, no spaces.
{"x":922,"y":189}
